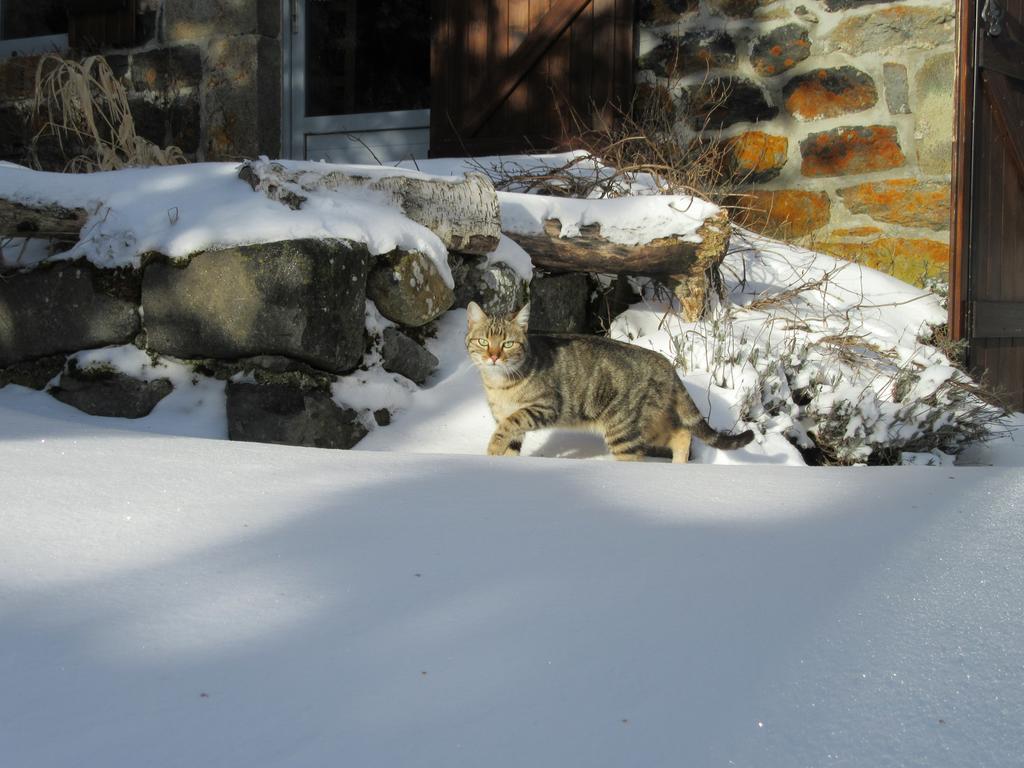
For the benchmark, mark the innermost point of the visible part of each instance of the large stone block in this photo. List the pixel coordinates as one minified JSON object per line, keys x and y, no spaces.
{"x":171,"y":123}
{"x":18,"y":77}
{"x":780,"y":50}
{"x":845,"y":5}
{"x":723,"y":101}
{"x":558,"y":303}
{"x":35,"y":374}
{"x":303,"y":299}
{"x":203,"y":19}
{"x":934,"y":113}
{"x":496,"y":287}
{"x":241,"y":102}
{"x":736,"y":9}
{"x":829,"y":93}
{"x":908,"y":202}
{"x":851,"y":150}
{"x":408,"y":289}
{"x":912,"y":260}
{"x":755,"y":157}
{"x":696,"y":51}
{"x":166,"y":70}
{"x":286,"y":415}
{"x":104,"y":392}
{"x":66,"y":308}
{"x":781,"y":212}
{"x":888,"y":28}
{"x":400,"y":354}
{"x":664,"y":11}
{"x":897,"y":91}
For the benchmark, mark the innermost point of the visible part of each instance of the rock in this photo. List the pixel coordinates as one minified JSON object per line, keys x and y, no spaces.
{"x":755,"y":157}
{"x":286,"y":415}
{"x":408,"y":289}
{"x":802,"y":13}
{"x":102,"y":391}
{"x":266,"y":369}
{"x":781,"y":212}
{"x":908,"y":202}
{"x":401,"y":355}
{"x":34,"y":374}
{"x":497,"y":288}
{"x":845,"y":5}
{"x":241,"y":94}
{"x":696,"y":51}
{"x":897,"y":94}
{"x":846,"y":151}
{"x":722,"y":101}
{"x":781,"y":49}
{"x":886,"y":29}
{"x":664,"y":11}
{"x":829,"y":93}
{"x":609,"y":302}
{"x":558,"y":303}
{"x":910,"y":259}
{"x":653,"y":104}
{"x":166,"y":70}
{"x":934,"y":124}
{"x":304,"y":299}
{"x":64,"y":308}
{"x":736,"y":9}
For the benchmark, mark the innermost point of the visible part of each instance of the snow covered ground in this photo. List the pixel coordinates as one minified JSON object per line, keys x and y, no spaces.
{"x":169,"y":598}
{"x":173,"y":601}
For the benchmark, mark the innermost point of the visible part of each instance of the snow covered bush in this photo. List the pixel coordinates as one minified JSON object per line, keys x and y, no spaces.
{"x":827,"y":353}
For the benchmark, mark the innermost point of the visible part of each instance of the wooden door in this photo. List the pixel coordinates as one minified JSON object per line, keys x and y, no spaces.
{"x":515,"y":75}
{"x":987,"y":267}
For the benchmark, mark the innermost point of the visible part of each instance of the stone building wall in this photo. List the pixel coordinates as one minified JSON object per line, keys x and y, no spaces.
{"x":839,"y":112}
{"x":205,"y":75}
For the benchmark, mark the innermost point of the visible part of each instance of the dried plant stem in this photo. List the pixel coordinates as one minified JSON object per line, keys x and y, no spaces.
{"x":86,"y":106}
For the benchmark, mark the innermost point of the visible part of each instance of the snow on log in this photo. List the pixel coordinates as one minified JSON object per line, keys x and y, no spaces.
{"x":681,"y":239}
{"x":462,"y":212}
{"x":43,"y":220}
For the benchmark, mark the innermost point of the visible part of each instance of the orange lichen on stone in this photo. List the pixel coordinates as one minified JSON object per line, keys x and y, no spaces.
{"x":755,"y":153}
{"x":829,"y":93}
{"x":856,"y":232}
{"x":910,"y":259}
{"x":908,"y":202}
{"x":845,"y":151}
{"x":781,"y":212}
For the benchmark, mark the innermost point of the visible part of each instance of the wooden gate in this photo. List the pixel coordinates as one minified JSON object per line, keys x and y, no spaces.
{"x":513,"y":75}
{"x":987,"y":267}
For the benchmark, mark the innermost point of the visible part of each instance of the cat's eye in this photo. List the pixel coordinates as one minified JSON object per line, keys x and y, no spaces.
{"x":482,"y":342}
{"x":508,"y":344}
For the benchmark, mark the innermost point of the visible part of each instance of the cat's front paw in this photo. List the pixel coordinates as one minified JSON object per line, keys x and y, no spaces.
{"x":501,"y":448}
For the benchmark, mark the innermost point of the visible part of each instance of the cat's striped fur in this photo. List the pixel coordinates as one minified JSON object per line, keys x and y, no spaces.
{"x":630,"y":395}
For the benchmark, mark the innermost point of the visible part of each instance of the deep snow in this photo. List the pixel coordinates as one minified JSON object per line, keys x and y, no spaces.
{"x":168,"y":601}
{"x":169,"y":598}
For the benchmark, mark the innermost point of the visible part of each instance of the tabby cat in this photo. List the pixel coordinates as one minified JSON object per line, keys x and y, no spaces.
{"x":630,"y":395}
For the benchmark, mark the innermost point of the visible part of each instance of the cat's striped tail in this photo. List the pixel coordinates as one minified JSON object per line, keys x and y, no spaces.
{"x":720,"y":439}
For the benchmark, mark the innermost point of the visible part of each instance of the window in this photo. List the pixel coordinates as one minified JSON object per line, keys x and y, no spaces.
{"x":367,"y":56}
{"x":32,"y":26}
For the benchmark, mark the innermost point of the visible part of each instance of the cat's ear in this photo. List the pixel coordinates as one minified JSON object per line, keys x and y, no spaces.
{"x":523,"y":316}
{"x":474,"y":314}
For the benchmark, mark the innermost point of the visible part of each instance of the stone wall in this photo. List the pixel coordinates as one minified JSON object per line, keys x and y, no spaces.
{"x":839,"y":115}
{"x":283,"y":324}
{"x":205,"y":76}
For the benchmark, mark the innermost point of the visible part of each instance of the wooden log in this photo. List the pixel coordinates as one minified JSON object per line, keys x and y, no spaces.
{"x":45,"y":220}
{"x":690,"y":267}
{"x":463,"y":213}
